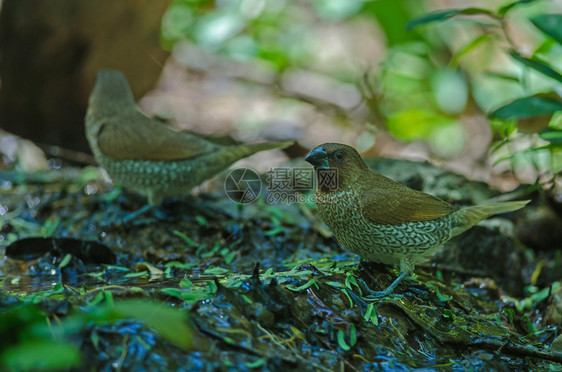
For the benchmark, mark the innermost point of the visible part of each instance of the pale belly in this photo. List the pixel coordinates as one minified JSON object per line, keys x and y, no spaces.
{"x":388,"y":244}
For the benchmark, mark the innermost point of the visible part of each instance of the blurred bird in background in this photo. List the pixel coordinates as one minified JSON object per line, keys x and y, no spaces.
{"x":144,"y":155}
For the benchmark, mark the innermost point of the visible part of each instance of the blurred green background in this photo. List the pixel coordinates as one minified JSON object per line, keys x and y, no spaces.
{"x":473,"y":86}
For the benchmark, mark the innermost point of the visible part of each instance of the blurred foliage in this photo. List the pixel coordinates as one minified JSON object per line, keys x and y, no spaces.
{"x":37,"y":339}
{"x":438,"y":67}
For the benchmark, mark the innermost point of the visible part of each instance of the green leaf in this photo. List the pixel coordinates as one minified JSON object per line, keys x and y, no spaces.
{"x":108,"y":296}
{"x":550,"y":24}
{"x":371,"y":314}
{"x":65,"y":260}
{"x":41,"y":355}
{"x":444,"y":15}
{"x":213,"y":288}
{"x":98,"y":299}
{"x":306,"y":285}
{"x":216,"y":270}
{"x":350,"y":280}
{"x":341,"y":341}
{"x":175,"y":292}
{"x":186,"y":238}
{"x":448,"y":314}
{"x":441,"y":297}
{"x":180,"y":265}
{"x":169,"y":322}
{"x":348,"y":297}
{"x":185,"y":283}
{"x":352,"y":335}
{"x":507,"y":7}
{"x":538,"y":65}
{"x":257,"y":363}
{"x":552,"y":136}
{"x":527,"y":107}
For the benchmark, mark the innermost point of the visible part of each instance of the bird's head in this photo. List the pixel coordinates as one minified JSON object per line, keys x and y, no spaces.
{"x":111,"y":93}
{"x":343,"y":159}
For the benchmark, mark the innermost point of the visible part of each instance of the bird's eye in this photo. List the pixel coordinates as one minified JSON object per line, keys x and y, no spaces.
{"x":339,"y":155}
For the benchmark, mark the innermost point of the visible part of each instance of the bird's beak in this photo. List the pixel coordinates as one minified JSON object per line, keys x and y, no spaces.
{"x":318,"y":158}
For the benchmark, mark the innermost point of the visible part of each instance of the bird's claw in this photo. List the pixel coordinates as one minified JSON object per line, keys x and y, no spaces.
{"x":377,"y":295}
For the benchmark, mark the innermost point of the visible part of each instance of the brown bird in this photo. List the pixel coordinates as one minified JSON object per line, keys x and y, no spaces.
{"x":142,"y":154}
{"x":382,"y":220}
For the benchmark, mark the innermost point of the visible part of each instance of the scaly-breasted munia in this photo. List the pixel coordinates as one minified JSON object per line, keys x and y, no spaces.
{"x":382,"y":220}
{"x":144,"y":155}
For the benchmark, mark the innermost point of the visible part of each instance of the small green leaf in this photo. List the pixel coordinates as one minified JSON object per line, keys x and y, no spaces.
{"x":510,"y":314}
{"x":306,"y":285}
{"x":369,"y":312}
{"x":186,"y":238}
{"x":180,"y":265}
{"x":350,"y":280}
{"x":448,"y":314}
{"x":537,"y":64}
{"x":169,"y":322}
{"x":99,"y":298}
{"x":192,"y":297}
{"x":216,"y":271}
{"x":65,"y":260}
{"x":348,"y":297}
{"x":257,"y":363}
{"x":441,"y":297}
{"x":108,"y":298}
{"x":527,"y":107}
{"x":552,"y":136}
{"x":352,"y":334}
{"x":117,"y":268}
{"x":212,"y":286}
{"x":201,"y":221}
{"x":444,"y":15}
{"x":210,"y":253}
{"x":341,"y":341}
{"x":140,"y":274}
{"x":185,"y":283}
{"x":50,"y":226}
{"x":275,"y":231}
{"x":550,"y":24}
{"x":172,"y":292}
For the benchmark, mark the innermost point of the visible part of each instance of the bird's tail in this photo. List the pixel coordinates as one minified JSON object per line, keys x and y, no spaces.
{"x":214,"y":162}
{"x":465,"y":218}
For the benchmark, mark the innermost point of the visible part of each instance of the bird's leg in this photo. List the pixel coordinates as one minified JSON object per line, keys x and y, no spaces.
{"x":153,"y":201}
{"x":406,"y":268}
{"x":134,"y":215}
{"x":376,"y":295}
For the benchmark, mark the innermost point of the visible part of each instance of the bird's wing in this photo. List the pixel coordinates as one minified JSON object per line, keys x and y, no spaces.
{"x":138,"y":137}
{"x":392,"y":206}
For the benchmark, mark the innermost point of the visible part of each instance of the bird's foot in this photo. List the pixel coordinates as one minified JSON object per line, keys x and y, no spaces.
{"x":377,"y":295}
